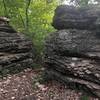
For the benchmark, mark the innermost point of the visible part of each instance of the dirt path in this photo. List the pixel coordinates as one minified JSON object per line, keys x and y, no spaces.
{"x":21,"y":86}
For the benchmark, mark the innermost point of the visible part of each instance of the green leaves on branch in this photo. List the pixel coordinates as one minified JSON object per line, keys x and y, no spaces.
{"x":32,"y":17}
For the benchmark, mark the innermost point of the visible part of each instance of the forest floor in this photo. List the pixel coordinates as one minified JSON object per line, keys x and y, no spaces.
{"x":25,"y":85}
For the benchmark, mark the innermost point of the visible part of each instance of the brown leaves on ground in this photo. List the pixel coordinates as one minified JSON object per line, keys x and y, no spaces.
{"x":21,"y":86}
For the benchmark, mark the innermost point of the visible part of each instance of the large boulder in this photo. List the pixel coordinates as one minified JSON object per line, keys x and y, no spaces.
{"x":77,"y":17}
{"x":15,"y":49}
{"x":73,"y":41}
{"x":74,"y":58}
{"x":72,"y":55}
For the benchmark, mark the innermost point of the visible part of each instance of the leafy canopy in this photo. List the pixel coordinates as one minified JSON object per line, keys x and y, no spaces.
{"x":32,"y":17}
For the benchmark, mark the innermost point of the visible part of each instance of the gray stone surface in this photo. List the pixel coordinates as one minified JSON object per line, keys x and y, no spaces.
{"x":15,"y":50}
{"x":72,"y":55}
{"x":77,"y":17}
{"x":73,"y":41}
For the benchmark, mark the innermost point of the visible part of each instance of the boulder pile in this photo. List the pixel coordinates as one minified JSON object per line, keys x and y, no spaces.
{"x":15,"y":49}
{"x":72,"y":54}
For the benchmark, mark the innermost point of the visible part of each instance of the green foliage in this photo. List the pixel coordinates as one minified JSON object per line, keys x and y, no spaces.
{"x":32,"y":17}
{"x":41,"y":23}
{"x":83,"y":2}
{"x":84,"y":97}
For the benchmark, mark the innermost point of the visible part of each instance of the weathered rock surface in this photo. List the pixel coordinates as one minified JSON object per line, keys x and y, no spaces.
{"x":74,"y":41}
{"x":72,"y":55}
{"x":74,"y":58}
{"x":75,"y":17}
{"x":15,"y":50}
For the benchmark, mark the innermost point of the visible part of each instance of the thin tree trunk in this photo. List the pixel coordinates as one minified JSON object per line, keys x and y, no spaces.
{"x":27,"y":19}
{"x":5,"y":9}
{"x":21,"y":17}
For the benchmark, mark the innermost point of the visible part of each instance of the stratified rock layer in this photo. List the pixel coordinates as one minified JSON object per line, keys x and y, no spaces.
{"x":15,"y":50}
{"x":72,"y":55}
{"x":76,"y":17}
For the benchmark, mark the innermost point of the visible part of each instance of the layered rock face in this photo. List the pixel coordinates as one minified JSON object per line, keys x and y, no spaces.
{"x":80,"y":18}
{"x":72,"y":54}
{"x":15,"y":49}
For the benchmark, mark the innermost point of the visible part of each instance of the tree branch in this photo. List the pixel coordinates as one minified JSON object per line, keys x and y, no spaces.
{"x":27,"y":19}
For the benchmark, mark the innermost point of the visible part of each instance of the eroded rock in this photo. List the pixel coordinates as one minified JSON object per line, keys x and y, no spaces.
{"x":15,"y":49}
{"x":69,"y":17}
{"x":72,"y":55}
